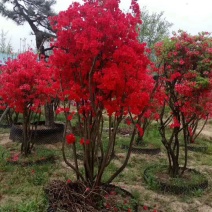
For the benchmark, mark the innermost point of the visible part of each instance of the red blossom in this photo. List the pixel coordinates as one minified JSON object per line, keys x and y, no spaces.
{"x":15,"y":157}
{"x":190,"y":131}
{"x":59,"y":110}
{"x":70,"y":139}
{"x":66,"y":109}
{"x":128,"y":122}
{"x":82,"y":141}
{"x":181,"y":62}
{"x":70,"y":116}
{"x":175,"y":76}
{"x":87,"y":189}
{"x":68,"y":181}
{"x":145,"y":207}
{"x":175,"y":123}
{"x":140,"y":130}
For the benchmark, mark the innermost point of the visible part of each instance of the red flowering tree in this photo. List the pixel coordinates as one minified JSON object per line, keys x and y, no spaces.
{"x":24,"y":86}
{"x":186,"y":78}
{"x":151,"y":112}
{"x":101,"y":70}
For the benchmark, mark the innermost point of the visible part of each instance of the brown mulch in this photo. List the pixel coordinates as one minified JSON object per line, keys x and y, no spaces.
{"x":75,"y":196}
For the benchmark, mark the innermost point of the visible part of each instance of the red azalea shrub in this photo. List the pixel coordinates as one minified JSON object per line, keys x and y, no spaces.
{"x":25,"y":86}
{"x":85,"y":45}
{"x":186,"y":78}
{"x":100,"y":69}
{"x":25,"y":83}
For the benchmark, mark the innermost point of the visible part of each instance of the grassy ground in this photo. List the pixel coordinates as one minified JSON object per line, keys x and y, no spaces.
{"x":21,"y":187}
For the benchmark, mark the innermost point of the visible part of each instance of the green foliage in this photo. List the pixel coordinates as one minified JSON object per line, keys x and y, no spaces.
{"x":154,"y":27}
{"x":5,"y":44}
{"x":168,"y":45}
{"x":202,"y":82}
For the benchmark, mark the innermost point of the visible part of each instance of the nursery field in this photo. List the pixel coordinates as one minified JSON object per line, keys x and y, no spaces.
{"x":131,"y":118}
{"x":22,"y":186}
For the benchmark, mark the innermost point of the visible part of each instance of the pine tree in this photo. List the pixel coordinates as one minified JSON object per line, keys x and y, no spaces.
{"x":33,"y":12}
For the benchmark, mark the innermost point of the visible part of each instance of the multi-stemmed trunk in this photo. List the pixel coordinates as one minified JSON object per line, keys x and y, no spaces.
{"x":172,"y":146}
{"x":193,"y":129}
{"x":97,"y":155}
{"x":25,"y":146}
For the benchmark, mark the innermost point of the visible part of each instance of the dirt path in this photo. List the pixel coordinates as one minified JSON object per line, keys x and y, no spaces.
{"x":4,"y":139}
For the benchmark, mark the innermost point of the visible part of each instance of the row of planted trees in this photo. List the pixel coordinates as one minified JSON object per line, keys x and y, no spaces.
{"x":185,"y":77}
{"x":100,"y":70}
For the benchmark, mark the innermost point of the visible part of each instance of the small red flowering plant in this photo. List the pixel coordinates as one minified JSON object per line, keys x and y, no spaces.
{"x":101,"y":73}
{"x":186,"y":80}
{"x":24,"y":87}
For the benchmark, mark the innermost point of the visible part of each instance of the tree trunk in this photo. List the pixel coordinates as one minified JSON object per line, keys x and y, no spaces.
{"x":49,"y":115}
{"x":25,"y":147}
{"x":175,"y":167}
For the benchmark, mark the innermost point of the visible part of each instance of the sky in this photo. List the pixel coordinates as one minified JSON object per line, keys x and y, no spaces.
{"x":192,"y":16}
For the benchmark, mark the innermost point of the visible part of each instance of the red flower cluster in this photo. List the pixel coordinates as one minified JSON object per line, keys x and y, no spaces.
{"x":70,"y":139}
{"x":140,"y":130}
{"x":15,"y":157}
{"x":84,"y":141}
{"x":68,"y":181}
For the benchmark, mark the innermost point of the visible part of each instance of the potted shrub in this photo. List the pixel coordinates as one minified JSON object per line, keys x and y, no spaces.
{"x":186,"y":81}
{"x":25,"y":86}
{"x":100,"y":71}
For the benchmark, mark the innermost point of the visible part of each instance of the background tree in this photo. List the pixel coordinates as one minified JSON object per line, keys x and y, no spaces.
{"x":186,"y":78}
{"x":154,"y":27}
{"x":5,"y":44}
{"x":33,"y":12}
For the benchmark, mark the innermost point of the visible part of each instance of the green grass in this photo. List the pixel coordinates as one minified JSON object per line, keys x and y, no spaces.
{"x":21,"y":188}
